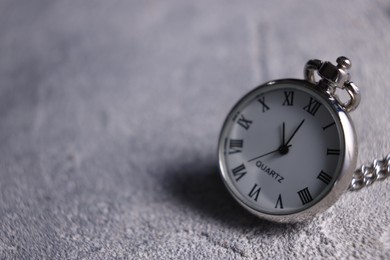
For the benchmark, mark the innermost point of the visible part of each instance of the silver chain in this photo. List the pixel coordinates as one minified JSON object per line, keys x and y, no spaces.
{"x":367,"y":174}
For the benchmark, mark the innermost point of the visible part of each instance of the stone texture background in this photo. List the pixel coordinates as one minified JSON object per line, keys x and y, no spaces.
{"x":110,"y":113}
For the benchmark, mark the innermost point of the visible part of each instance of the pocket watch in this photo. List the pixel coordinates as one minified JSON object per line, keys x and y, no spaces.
{"x":287,"y":150}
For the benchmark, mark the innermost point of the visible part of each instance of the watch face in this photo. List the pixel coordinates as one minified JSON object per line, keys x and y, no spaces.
{"x":282,"y":148}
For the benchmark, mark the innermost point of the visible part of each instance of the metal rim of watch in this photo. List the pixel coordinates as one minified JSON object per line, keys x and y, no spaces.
{"x":345,"y":168}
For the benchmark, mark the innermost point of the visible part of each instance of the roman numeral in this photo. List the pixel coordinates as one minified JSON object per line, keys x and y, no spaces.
{"x":324,"y":177}
{"x":265,"y":107}
{"x":327,"y":126}
{"x":289,"y":98}
{"x":279,"y":202}
{"x":239,"y":172}
{"x":333,"y":152}
{"x":305,"y":196}
{"x":235,"y":146}
{"x":245,"y":123}
{"x":255,"y":191}
{"x":312,"y":107}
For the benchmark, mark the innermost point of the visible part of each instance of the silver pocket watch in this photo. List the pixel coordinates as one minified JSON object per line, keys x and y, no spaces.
{"x":288,"y":148}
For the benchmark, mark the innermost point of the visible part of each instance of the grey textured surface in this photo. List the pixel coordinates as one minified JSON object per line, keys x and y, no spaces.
{"x":110,"y":113}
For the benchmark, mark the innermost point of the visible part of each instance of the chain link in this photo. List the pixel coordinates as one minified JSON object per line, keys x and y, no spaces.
{"x":367,"y":174}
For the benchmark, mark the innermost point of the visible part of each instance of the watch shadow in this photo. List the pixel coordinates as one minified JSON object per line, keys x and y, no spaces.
{"x":199,"y":186}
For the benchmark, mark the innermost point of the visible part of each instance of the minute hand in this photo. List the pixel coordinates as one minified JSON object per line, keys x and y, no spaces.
{"x":296,"y":130}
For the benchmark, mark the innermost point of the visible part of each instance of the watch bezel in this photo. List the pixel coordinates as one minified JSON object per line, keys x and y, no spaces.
{"x":346,"y":165}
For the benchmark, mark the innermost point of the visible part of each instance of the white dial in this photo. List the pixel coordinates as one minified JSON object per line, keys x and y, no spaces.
{"x":282,"y":148}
